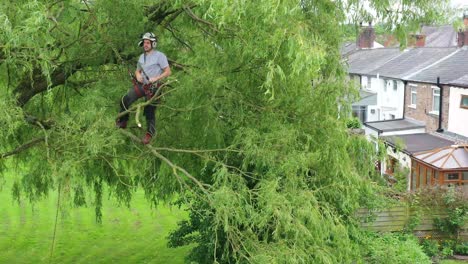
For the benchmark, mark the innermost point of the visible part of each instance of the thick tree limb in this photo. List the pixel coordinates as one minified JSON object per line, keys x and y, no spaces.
{"x":28,"y":88}
{"x":22,"y":147}
{"x":158,"y":12}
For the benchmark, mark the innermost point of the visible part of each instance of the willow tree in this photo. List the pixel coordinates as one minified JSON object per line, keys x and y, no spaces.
{"x":250,"y":138}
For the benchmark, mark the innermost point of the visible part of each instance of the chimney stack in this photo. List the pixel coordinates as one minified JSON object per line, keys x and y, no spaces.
{"x":417,"y":40}
{"x":366,"y":37}
{"x":462,"y":38}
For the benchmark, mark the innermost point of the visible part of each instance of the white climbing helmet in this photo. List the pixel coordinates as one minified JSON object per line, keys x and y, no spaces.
{"x":149,"y":36}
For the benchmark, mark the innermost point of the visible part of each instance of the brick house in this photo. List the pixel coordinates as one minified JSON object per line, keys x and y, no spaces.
{"x":434,"y":99}
{"x":423,"y":103}
{"x":426,"y":99}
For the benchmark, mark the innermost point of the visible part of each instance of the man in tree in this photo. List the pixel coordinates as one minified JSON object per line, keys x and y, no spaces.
{"x":151,"y":68}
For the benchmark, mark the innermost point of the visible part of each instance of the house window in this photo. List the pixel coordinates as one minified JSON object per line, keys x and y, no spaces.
{"x":435,"y":100}
{"x":395,"y":85}
{"x":413,"y":97}
{"x":386,"y":84}
{"x":369,"y":83}
{"x":464,"y":101}
{"x":453,"y":176}
{"x":391,"y":116}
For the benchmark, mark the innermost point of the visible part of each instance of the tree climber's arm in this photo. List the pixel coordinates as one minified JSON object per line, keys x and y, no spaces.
{"x":139,"y":76}
{"x":164,"y":74}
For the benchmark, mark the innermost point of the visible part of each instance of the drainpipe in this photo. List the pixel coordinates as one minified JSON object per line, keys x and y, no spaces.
{"x":440,"y":105}
{"x":405,"y":83}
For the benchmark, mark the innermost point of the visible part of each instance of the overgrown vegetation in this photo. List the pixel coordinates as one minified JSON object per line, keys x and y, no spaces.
{"x":251,"y":130}
{"x":451,"y":208}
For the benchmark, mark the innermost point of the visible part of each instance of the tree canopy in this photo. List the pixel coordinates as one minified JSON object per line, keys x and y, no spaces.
{"x":251,"y":131}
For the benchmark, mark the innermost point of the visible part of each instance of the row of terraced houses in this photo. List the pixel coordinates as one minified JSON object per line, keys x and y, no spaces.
{"x":416,"y":101}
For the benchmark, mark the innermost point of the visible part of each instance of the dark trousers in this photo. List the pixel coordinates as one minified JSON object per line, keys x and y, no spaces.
{"x":134,"y":94}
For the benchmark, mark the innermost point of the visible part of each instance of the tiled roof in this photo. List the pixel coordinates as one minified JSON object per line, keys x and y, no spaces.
{"x":411,"y":61}
{"x":367,"y":100}
{"x":413,"y":143}
{"x":457,"y":138}
{"x":395,"y":125}
{"x":462,"y":81}
{"x":347,"y":48}
{"x":440,"y":36}
{"x":366,"y":60}
{"x":452,"y":67}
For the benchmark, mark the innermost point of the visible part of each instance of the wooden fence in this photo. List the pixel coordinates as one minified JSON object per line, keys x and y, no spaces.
{"x":397,"y":218}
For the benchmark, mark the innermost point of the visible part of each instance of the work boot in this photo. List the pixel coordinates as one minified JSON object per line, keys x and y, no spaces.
{"x":120,"y":124}
{"x":147,"y":138}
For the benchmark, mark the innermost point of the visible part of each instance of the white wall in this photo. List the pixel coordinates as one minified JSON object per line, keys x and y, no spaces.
{"x":372,"y":116}
{"x":389,"y":100}
{"x":457,"y":117}
{"x":404,"y":132}
{"x":370,"y":133}
{"x":374,"y":85}
{"x":403,"y":158}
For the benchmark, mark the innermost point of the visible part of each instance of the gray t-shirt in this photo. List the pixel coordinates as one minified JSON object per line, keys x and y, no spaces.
{"x":152,"y":64}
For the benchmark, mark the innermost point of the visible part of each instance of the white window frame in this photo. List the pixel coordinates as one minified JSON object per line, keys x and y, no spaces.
{"x":413,"y":91}
{"x":463,"y":96}
{"x":434,"y":95}
{"x":395,"y":85}
{"x":369,"y":83}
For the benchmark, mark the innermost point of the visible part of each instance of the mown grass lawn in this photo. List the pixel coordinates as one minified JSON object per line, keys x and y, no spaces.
{"x":135,"y":235}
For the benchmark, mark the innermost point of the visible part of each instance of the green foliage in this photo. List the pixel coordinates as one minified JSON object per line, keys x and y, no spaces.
{"x":461,"y":248}
{"x":430,"y":247}
{"x":457,"y":213}
{"x":401,"y":176}
{"x":447,"y":201}
{"x":447,"y":250}
{"x":249,"y":131}
{"x":393,"y":248}
{"x":353,"y":123}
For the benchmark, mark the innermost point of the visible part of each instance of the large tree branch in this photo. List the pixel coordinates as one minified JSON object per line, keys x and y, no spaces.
{"x":158,"y":12}
{"x":22,"y":147}
{"x":28,"y":88}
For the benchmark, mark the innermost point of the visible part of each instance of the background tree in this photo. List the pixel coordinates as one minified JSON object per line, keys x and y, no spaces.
{"x":250,"y":137}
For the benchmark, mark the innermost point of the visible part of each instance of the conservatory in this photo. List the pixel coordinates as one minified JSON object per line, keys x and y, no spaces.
{"x":440,"y":166}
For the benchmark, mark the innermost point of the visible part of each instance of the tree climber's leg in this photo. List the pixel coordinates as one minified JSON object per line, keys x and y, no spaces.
{"x":132,"y":95}
{"x":149,"y":113}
